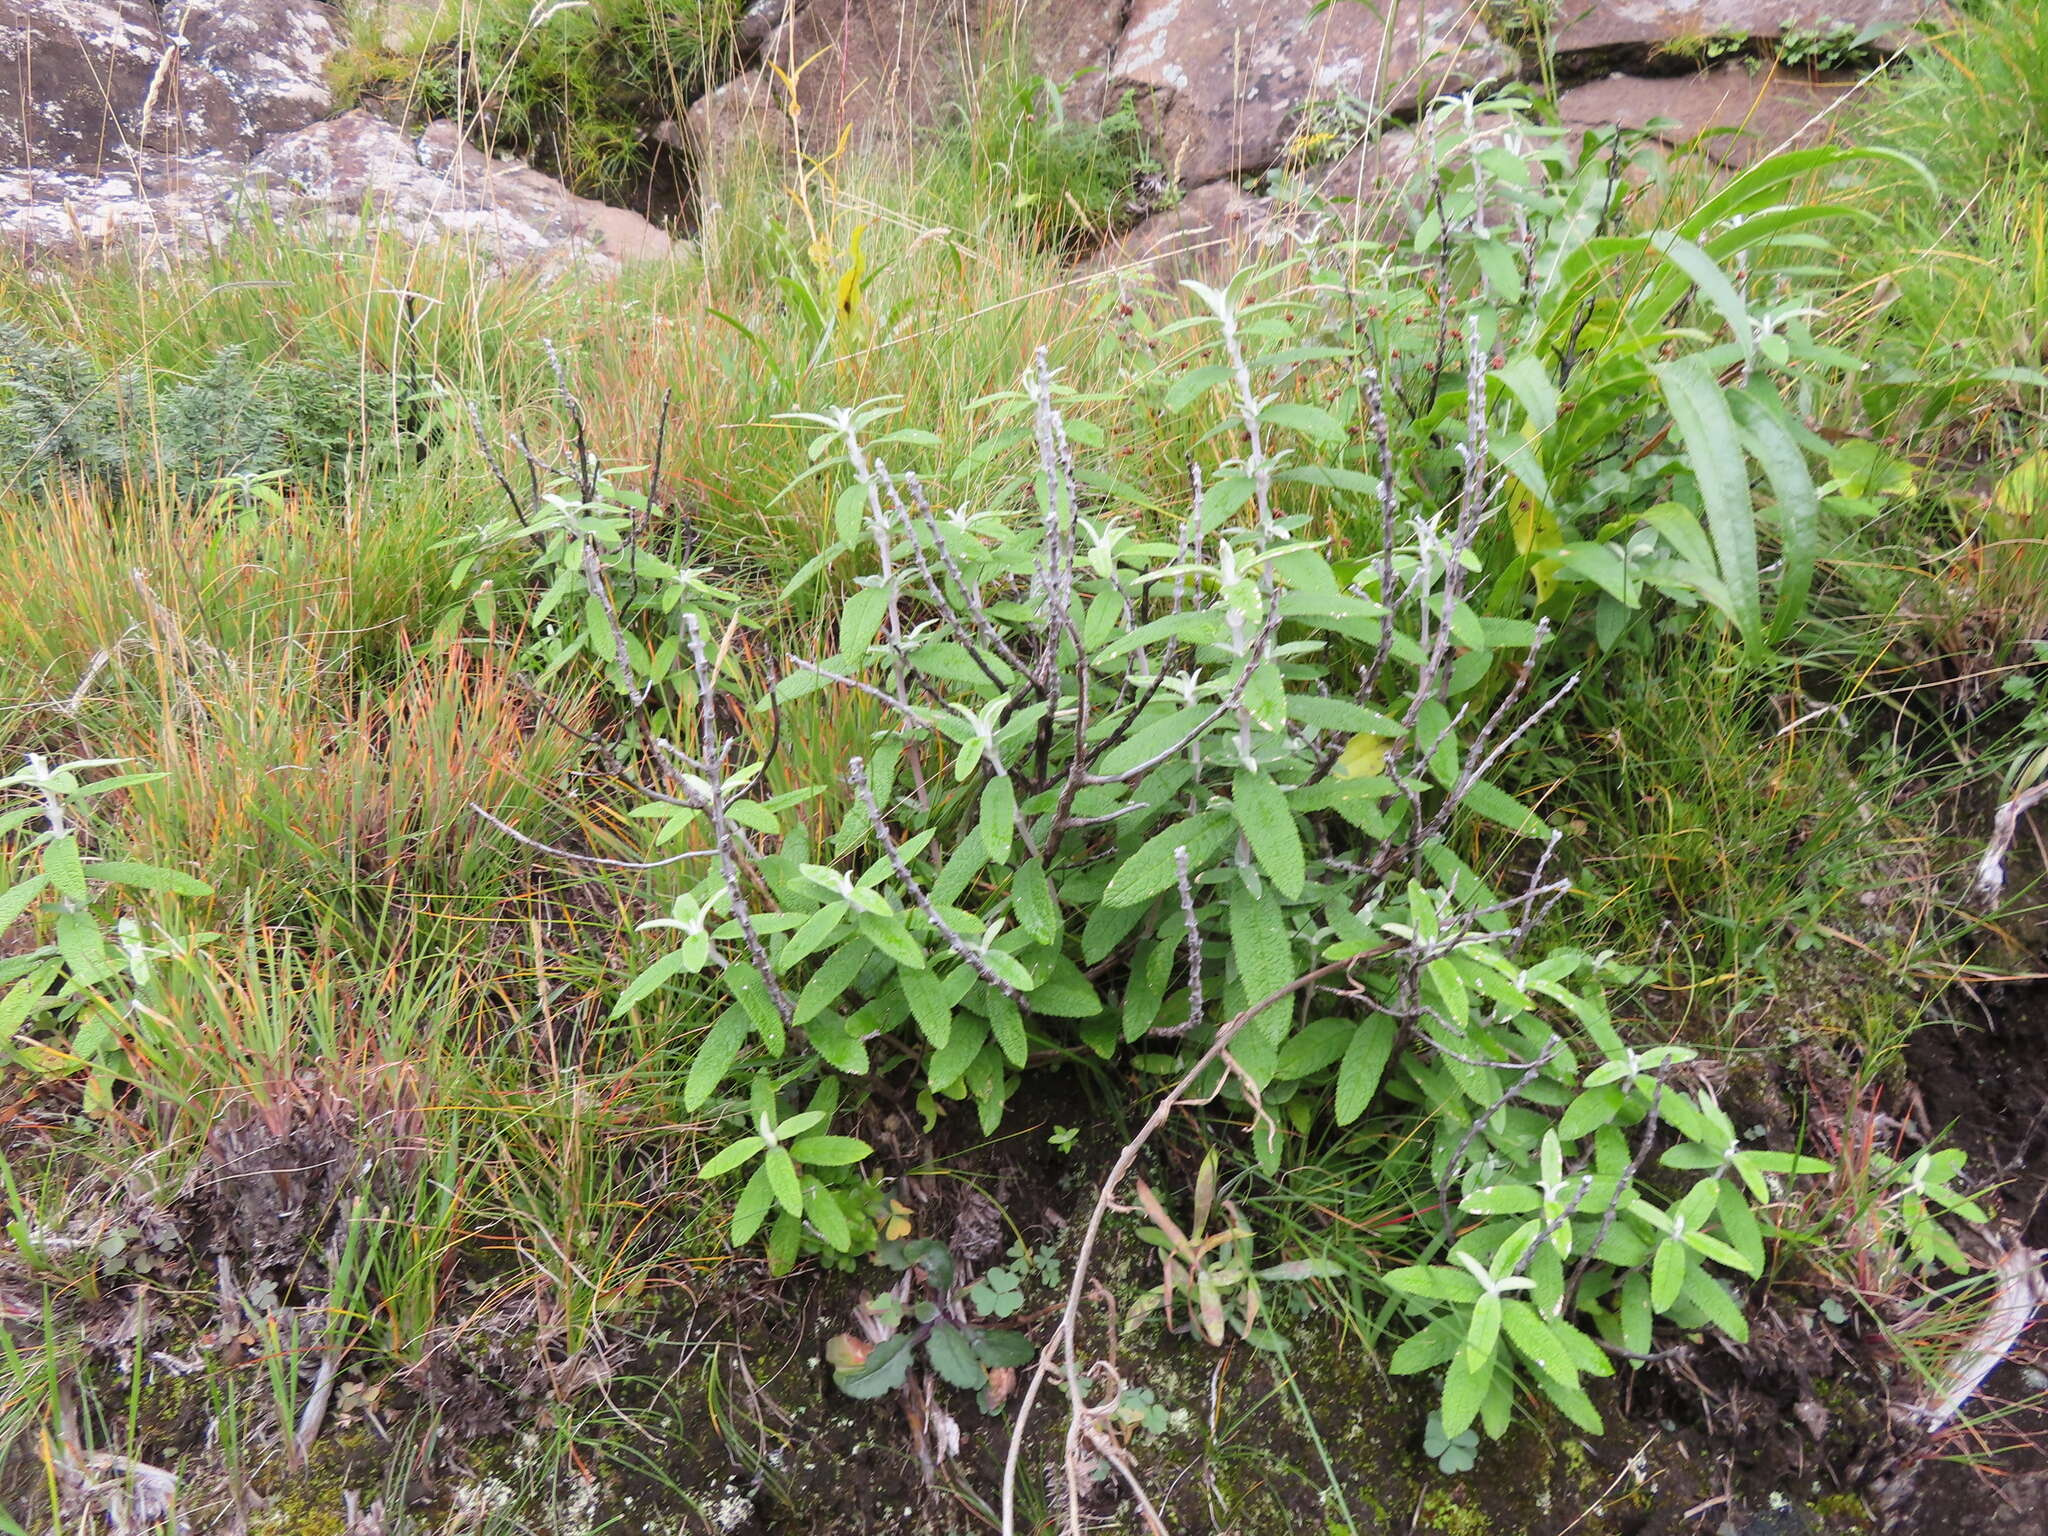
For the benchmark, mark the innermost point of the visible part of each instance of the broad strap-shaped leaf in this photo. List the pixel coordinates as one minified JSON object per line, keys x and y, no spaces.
{"x":66,"y":870}
{"x":1761,"y":420}
{"x":1530,"y":1334}
{"x":1464,"y":1392}
{"x":1706,"y":428}
{"x":1436,"y":1282}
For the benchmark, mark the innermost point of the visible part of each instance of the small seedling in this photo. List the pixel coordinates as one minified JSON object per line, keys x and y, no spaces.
{"x":959,"y":1352}
{"x":1210,"y":1273}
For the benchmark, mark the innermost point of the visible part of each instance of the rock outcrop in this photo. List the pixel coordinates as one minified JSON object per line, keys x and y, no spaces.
{"x":166,"y":120}
{"x":1225,"y":83}
{"x":86,"y":82}
{"x":1678,"y":31}
{"x":870,"y":72}
{"x":1734,"y":114}
{"x":160,"y":128}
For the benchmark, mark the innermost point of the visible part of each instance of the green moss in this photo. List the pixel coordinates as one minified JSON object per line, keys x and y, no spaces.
{"x":1445,"y":1513}
{"x":308,"y":1502}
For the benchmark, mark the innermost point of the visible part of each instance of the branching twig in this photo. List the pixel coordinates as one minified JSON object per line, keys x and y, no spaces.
{"x":586,"y":858}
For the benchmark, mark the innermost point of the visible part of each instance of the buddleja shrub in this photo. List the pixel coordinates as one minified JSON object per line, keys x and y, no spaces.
{"x":1147,"y":779}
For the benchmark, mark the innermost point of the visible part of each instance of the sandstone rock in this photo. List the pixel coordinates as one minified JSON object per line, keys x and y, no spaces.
{"x":84,"y":83}
{"x":1667,"y":26}
{"x":269,"y":55}
{"x":1764,"y":110}
{"x":1209,"y":234}
{"x":746,"y":113}
{"x":439,"y":187}
{"x":1073,"y":44}
{"x":1227,"y":79}
{"x":339,"y":173}
{"x":868,"y":71}
{"x":154,"y":203}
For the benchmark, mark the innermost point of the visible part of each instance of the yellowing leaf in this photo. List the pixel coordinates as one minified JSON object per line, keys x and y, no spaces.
{"x":896,"y":1222}
{"x":45,"y":1060}
{"x":851,"y":279}
{"x":2019,"y":506}
{"x":1535,"y":530}
{"x":1364,"y":757}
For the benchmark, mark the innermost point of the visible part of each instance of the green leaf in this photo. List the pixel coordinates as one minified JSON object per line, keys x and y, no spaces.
{"x":66,"y":871}
{"x":750,"y":991}
{"x":1065,"y":992}
{"x":995,"y":1347}
{"x":1268,"y":826}
{"x":789,"y":1190}
{"x":146,"y":877}
{"x":814,"y":935}
{"x":1310,"y":421}
{"x":1006,"y":1024}
{"x":1667,"y":1274}
{"x":1263,"y":951}
{"x":84,"y":949}
{"x":952,"y":1356}
{"x":1151,"y":869}
{"x":1713,"y":284}
{"x":715,"y":1056}
{"x":860,"y":621}
{"x":1715,"y":1303}
{"x":1502,"y":809}
{"x":1574,"y":1404}
{"x":1463,"y":1393}
{"x":731,"y":1158}
{"x":652,"y":980}
{"x":824,"y":1213}
{"x":1482,"y":1332}
{"x":1739,"y":1225}
{"x":1761,"y":419}
{"x":19,"y":898}
{"x":1365,"y":1062}
{"x":1532,"y":1338}
{"x":829,"y":1151}
{"x":1637,"y":1319}
{"x":929,"y":1005}
{"x":751,"y":1209}
{"x":840,"y":1048}
{"x":785,"y":1238}
{"x":887,"y":1367}
{"x":999,"y":817}
{"x":1502,"y":1200}
{"x":1704,"y":424}
{"x":1037,"y":909}
{"x":886,"y":932}
{"x":1591,"y":1110}
{"x":1428,"y":1349}
{"x":1436,"y":1282}
{"x":832,"y":978}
